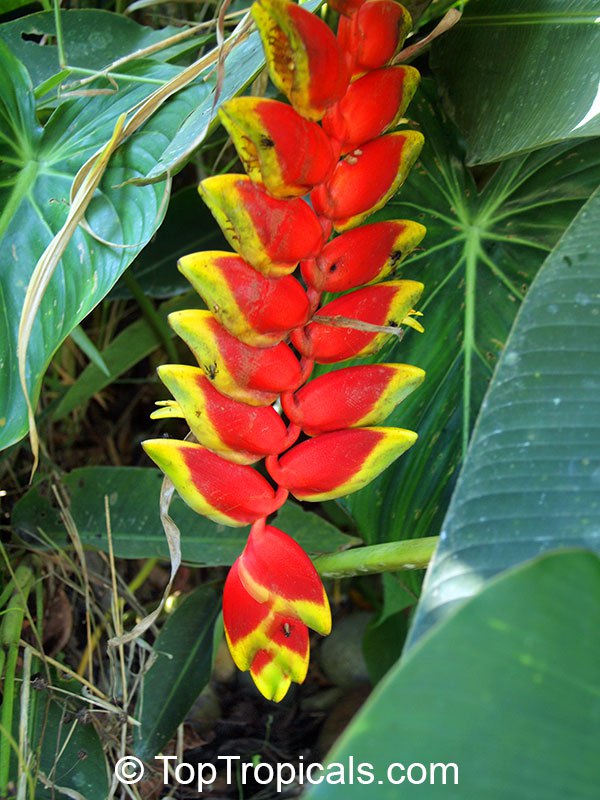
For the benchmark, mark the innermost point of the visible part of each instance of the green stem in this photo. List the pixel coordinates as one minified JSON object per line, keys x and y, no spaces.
{"x":472,"y":247}
{"x":389,"y":557}
{"x":153,"y":318}
{"x":62,"y":60}
{"x":8,"y":703}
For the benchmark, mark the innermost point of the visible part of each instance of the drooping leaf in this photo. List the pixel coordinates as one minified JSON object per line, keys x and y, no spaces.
{"x":515,"y":671}
{"x":137,"y":532}
{"x":519,"y":75}
{"x":480,"y":253}
{"x":532,"y":476}
{"x":36,"y":176}
{"x":180,"y":672}
{"x":93,"y":39}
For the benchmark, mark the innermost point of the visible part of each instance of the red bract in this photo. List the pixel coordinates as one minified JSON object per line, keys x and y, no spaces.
{"x":365,"y":179}
{"x":304,"y":59}
{"x":362,"y":255}
{"x":254,"y":308}
{"x":278,"y":147}
{"x":273,"y":594}
{"x":371,"y":105}
{"x":373,"y":35}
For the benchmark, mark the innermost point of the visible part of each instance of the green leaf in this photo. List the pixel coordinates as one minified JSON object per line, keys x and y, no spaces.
{"x":481,"y":251}
{"x":180,"y":672}
{"x":70,"y":752}
{"x":506,"y":689}
{"x":137,"y":532}
{"x":520,"y":75}
{"x":188,"y":228}
{"x":35,"y":180}
{"x":93,"y":39}
{"x":532,"y":476}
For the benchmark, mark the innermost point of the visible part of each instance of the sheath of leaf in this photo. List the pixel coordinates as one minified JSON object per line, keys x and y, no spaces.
{"x":256,"y":309}
{"x":276,"y":584}
{"x":272,"y":235}
{"x":338,"y":463}
{"x":363,"y":255}
{"x":304,"y":59}
{"x":365,"y":179}
{"x":231,"y":494}
{"x":249,"y":374}
{"x":385,"y":304}
{"x":351,"y":397}
{"x":373,"y":35}
{"x":278,"y":147}
{"x":371,"y":105}
{"x":235,"y":431}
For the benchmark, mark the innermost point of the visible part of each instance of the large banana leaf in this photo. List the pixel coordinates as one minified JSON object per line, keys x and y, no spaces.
{"x":481,"y":251}
{"x":519,"y":75}
{"x":507,"y":690}
{"x":531,"y":481}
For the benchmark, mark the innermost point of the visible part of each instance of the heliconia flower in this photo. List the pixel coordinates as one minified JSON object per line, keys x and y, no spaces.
{"x":253,"y":307}
{"x":362,"y":255}
{"x":235,"y":431}
{"x":278,"y":147}
{"x":384,"y":304}
{"x":371,"y":105}
{"x":345,"y":7}
{"x":271,"y":595}
{"x":366,"y":178}
{"x":373,"y":35}
{"x":303,"y":56}
{"x":249,"y":374}
{"x":228,"y":493}
{"x":335,"y":464}
{"x":351,"y":397}
{"x":272,"y":235}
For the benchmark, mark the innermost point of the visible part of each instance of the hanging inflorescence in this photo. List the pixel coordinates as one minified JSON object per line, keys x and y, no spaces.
{"x":265,"y":329}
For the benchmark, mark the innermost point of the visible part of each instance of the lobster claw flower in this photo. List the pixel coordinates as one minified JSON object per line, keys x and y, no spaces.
{"x":338,"y":463}
{"x":363,"y":255}
{"x":345,"y":7}
{"x":272,"y":235}
{"x":351,"y":397}
{"x":304,"y":58}
{"x":371,"y":105}
{"x":235,"y":431}
{"x":366,"y":178}
{"x":227,"y":493}
{"x":271,"y":595}
{"x":384,"y":305}
{"x":249,"y":374}
{"x":278,"y":148}
{"x":373,"y":35}
{"x":254,"y":308}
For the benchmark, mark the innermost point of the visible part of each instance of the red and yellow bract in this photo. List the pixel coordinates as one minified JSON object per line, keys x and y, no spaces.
{"x":263,"y":330}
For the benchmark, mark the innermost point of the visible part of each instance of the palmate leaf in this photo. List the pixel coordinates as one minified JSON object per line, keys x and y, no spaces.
{"x":531,"y":480}
{"x":518,"y":75}
{"x":481,"y":252}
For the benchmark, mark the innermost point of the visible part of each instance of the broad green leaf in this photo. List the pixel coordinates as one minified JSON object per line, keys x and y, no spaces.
{"x":519,"y":75}
{"x":180,"y":672}
{"x":508,"y":689}
{"x":93,"y":39}
{"x":137,"y":532}
{"x":70,"y":751}
{"x":188,"y":228}
{"x":37,"y":170}
{"x":481,"y":251}
{"x":531,"y":481}
{"x":241,"y":65}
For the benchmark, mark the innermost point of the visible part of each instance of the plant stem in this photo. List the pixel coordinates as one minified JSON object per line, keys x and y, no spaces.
{"x":153,"y":319}
{"x":389,"y":557}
